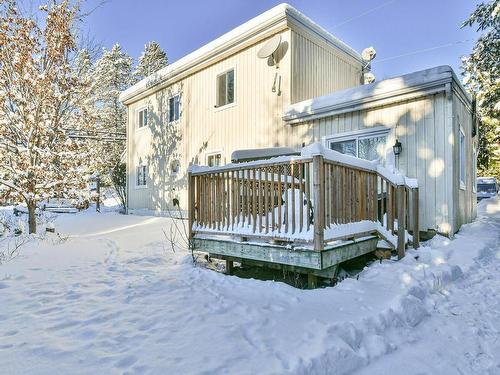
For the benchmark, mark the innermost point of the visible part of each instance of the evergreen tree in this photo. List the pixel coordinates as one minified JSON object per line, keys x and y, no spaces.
{"x":112,"y":75}
{"x":152,"y":59}
{"x":481,"y":70}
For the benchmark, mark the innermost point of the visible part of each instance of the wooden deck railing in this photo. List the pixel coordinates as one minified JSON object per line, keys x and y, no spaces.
{"x":300,"y":199}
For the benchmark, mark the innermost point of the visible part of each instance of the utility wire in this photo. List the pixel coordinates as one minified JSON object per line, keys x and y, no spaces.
{"x":371,"y":10}
{"x":423,"y":50}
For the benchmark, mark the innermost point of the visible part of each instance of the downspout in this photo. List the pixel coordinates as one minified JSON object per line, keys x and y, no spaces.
{"x":127,"y":163}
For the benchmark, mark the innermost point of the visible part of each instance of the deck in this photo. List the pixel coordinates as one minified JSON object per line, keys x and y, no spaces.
{"x":308,"y":213}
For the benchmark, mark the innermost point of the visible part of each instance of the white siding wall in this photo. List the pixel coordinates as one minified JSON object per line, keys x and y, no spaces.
{"x":253,"y":121}
{"x":420,"y":125}
{"x":465,"y":198}
{"x":319,"y":68}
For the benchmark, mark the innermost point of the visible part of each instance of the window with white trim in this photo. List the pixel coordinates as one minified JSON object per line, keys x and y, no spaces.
{"x":214,"y":159}
{"x":141,"y":176}
{"x":225,"y":88}
{"x":174,"y":113}
{"x":369,"y":146}
{"x":462,"y":158}
{"x":175,"y":167}
{"x":142,"y":118}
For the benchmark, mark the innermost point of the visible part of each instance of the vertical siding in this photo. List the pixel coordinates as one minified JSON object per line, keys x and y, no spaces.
{"x":419,"y":125}
{"x":466,"y":198}
{"x":318,"y":69}
{"x":254,"y":121}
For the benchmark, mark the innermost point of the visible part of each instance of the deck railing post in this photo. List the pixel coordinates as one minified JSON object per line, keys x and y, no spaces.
{"x":319,"y":204}
{"x":416,"y":226}
{"x":401,"y":212}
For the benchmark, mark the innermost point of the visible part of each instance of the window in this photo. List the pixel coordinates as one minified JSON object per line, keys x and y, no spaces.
{"x":345,"y":147}
{"x":225,"y":88}
{"x":214,"y":160}
{"x":143,"y":118}
{"x":462,"y":159}
{"x":364,"y":146}
{"x":175,"y":167}
{"x":174,"y":108}
{"x":142,"y":171}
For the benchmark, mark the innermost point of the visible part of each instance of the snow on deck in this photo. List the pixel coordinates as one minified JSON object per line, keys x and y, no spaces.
{"x":114,"y":298}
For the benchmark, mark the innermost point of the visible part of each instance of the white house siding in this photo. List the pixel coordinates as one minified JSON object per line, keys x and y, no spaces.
{"x":253,"y":121}
{"x":420,"y":125}
{"x":466,"y":198}
{"x":319,"y":68}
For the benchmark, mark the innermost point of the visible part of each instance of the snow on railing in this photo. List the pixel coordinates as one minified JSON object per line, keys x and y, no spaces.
{"x":317,"y":197}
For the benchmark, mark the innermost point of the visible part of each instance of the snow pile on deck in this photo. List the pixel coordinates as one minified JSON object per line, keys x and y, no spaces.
{"x":390,"y":173}
{"x":114,"y":298}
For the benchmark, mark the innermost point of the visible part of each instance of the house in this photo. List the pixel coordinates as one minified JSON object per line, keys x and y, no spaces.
{"x":229,"y":95}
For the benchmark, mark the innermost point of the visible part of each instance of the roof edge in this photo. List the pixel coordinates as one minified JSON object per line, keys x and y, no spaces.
{"x":231,"y":39}
{"x":404,"y":87}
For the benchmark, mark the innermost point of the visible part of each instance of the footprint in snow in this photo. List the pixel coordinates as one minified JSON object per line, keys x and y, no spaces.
{"x":73,"y":295}
{"x":48,"y":310}
{"x":3,"y":285}
{"x":11,"y":333}
{"x":126,"y":361}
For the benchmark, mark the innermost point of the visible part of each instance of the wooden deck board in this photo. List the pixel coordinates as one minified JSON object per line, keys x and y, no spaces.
{"x":278,"y":254}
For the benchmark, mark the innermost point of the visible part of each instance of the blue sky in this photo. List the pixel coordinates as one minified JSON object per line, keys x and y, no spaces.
{"x":393,"y":27}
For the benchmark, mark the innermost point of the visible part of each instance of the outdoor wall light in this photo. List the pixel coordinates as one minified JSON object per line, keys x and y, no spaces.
{"x":397,"y":148}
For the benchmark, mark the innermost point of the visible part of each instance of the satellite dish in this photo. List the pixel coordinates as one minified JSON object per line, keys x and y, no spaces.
{"x":368,"y":77}
{"x":270,"y":47}
{"x":368,"y":54}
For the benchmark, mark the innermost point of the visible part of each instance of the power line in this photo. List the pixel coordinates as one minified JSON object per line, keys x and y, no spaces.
{"x":371,"y":10}
{"x":423,"y":50}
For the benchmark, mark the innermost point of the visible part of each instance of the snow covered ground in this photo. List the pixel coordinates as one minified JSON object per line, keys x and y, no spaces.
{"x":114,"y":298}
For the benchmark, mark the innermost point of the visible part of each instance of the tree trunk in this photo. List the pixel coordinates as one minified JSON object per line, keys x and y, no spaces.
{"x":31,"y":216}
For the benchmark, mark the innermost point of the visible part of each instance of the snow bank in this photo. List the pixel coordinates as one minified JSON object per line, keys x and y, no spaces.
{"x":114,"y":298}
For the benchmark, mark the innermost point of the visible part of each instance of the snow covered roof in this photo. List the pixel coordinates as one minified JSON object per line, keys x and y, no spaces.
{"x":395,"y":89}
{"x":239,"y":35}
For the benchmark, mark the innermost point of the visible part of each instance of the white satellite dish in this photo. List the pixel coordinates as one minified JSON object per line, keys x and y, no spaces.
{"x":270,"y":47}
{"x":368,"y":54}
{"x":368,"y":77}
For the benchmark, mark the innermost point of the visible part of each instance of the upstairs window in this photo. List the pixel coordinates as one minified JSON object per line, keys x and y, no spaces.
{"x":225,"y":88}
{"x":142,"y":171}
{"x":174,"y":108}
{"x":143,"y":118}
{"x":462,"y":159}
